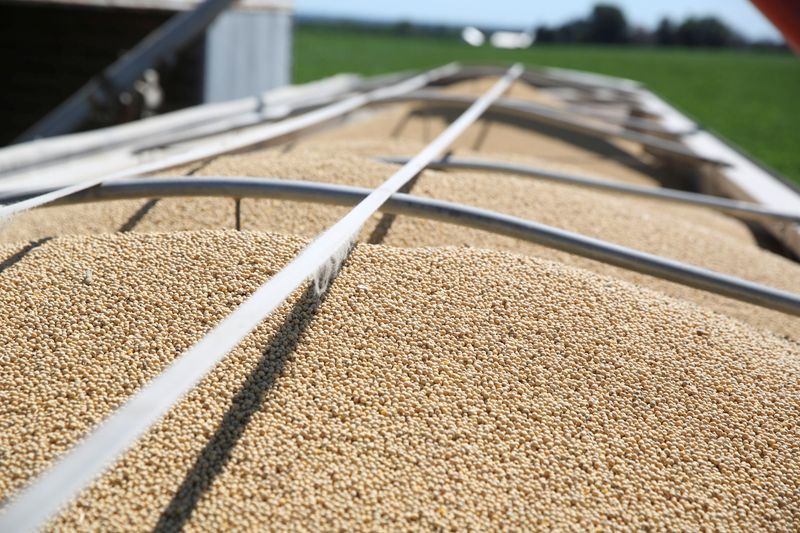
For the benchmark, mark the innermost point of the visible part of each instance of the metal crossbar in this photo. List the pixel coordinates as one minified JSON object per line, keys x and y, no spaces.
{"x":242,"y":139}
{"x":452,"y":213}
{"x":734,"y":207}
{"x":564,"y":120}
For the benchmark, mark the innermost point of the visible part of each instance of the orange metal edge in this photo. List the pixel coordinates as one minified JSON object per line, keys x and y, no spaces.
{"x":785,"y":15}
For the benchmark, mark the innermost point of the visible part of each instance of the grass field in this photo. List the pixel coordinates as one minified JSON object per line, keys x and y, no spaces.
{"x":752,"y":99}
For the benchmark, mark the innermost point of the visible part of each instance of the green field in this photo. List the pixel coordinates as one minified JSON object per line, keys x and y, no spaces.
{"x":752,"y":99}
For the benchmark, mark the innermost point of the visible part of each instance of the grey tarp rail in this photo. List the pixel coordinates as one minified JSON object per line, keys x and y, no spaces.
{"x":162,"y":129}
{"x":738,"y":208}
{"x":237,"y":140}
{"x":562,"y":119}
{"x":405,"y":204}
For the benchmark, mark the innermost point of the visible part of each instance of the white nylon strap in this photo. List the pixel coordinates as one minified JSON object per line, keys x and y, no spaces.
{"x":78,"y":467}
{"x":246,"y":138}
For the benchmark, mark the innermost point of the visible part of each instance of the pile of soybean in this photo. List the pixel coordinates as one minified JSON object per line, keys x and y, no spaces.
{"x":444,"y":388}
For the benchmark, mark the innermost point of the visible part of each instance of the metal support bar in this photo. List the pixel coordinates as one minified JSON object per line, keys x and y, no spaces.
{"x":167,"y":39}
{"x":452,"y":213}
{"x":619,"y":89}
{"x":561,"y":119}
{"x":242,"y":139}
{"x":238,"y":213}
{"x":641,"y":124}
{"x":734,"y":207}
{"x":165,"y":128}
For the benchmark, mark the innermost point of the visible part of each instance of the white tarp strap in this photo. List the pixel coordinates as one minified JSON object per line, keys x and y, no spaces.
{"x":238,"y":140}
{"x":37,"y":503}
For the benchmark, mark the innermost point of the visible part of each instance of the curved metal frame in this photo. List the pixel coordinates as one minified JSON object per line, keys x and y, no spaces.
{"x":546,"y":77}
{"x":561,"y":119}
{"x":405,"y":204}
{"x":237,"y":140}
{"x":734,"y":207}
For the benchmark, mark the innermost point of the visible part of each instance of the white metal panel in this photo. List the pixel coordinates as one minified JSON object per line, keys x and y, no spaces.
{"x":247,"y":53}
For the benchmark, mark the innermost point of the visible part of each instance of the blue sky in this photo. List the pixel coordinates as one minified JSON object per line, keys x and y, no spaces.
{"x":526,"y":13}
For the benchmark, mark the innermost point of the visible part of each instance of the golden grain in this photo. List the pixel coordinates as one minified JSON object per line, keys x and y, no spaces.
{"x":464,"y":389}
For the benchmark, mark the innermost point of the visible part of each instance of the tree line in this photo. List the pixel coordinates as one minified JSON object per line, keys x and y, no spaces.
{"x":607,"y":24}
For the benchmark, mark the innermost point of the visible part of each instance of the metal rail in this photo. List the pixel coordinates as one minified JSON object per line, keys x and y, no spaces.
{"x":452,"y":213}
{"x":72,"y":473}
{"x":734,"y":207}
{"x":242,"y":139}
{"x":621,"y":89}
{"x":564,"y":120}
{"x":633,"y":123}
{"x":268,"y":105}
{"x":530,"y":76}
{"x":167,"y":39}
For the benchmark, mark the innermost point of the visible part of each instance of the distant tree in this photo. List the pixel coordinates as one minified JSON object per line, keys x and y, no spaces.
{"x":575,"y":31}
{"x":403,"y":28}
{"x":689,"y":32}
{"x":666,"y":33}
{"x":545,"y":35}
{"x":607,"y":24}
{"x":706,"y":31}
{"x":639,"y":35}
{"x":769,"y":45}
